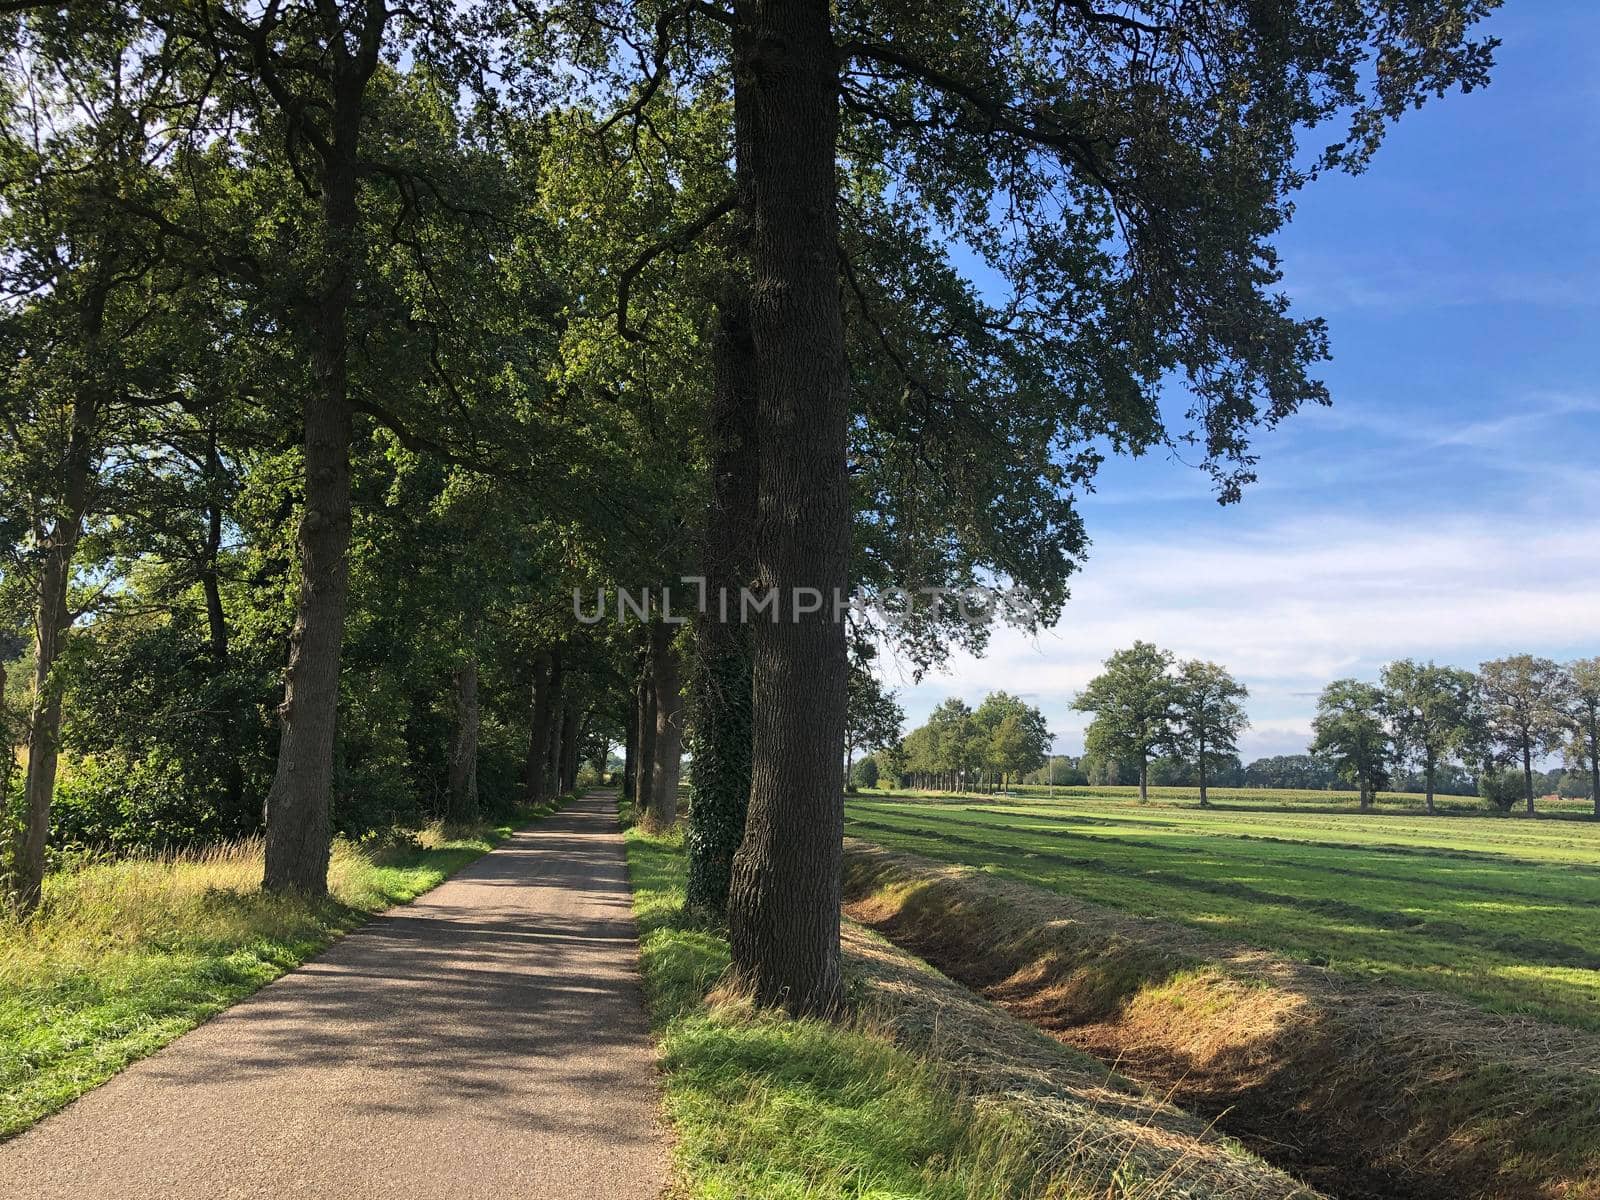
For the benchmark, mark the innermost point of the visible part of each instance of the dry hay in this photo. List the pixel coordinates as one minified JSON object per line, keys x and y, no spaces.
{"x":1098,"y":1133}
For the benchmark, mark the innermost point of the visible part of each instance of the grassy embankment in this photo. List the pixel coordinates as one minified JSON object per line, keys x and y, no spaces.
{"x":923,"y":1091}
{"x":1501,"y":914}
{"x":1318,"y":981}
{"x":126,"y":955}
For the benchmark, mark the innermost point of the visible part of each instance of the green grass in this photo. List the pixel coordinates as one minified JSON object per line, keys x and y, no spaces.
{"x":1501,"y":913}
{"x":124,"y":956}
{"x":1292,"y":799}
{"x":781,"y":1109}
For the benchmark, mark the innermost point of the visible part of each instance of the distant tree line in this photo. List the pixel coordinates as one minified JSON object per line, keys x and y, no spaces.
{"x":961,"y":748}
{"x":1161,"y":722}
{"x":1439,"y":723}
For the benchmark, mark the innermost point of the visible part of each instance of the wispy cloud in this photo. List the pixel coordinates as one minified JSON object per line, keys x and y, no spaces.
{"x":1331,"y":285}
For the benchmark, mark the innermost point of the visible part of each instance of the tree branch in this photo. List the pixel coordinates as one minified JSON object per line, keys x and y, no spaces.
{"x":676,"y":242}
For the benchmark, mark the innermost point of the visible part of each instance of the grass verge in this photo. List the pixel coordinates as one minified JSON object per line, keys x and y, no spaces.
{"x":124,"y":956}
{"x":925,"y":1092}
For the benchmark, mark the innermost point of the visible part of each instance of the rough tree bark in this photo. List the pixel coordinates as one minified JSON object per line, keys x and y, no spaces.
{"x":630,"y":748}
{"x":51,"y":622}
{"x":538,"y":731}
{"x":645,"y":719}
{"x":1205,"y":800}
{"x":783,"y":905}
{"x":721,"y":679}
{"x":298,"y":802}
{"x":667,"y":759}
{"x":551,"y":787}
{"x":1527,"y":770}
{"x":8,"y":733}
{"x":464,"y":751}
{"x":571,"y":725}
{"x":1592,"y":720}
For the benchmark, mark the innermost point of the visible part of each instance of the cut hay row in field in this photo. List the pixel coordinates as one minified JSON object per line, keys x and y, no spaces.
{"x":1501,"y":914}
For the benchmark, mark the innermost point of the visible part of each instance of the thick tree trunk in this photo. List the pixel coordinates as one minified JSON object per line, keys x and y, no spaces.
{"x":1594,"y":760}
{"x":1205,"y":800}
{"x":1527,"y":774}
{"x":464,"y":751}
{"x":1427,"y":777}
{"x":630,"y":750}
{"x":552,"y":749}
{"x":298,"y":819}
{"x":721,"y":682}
{"x":538,"y":732}
{"x":52,"y":620}
{"x":1144,"y":779}
{"x":666,"y":675}
{"x":571,"y":727}
{"x":8,"y":739}
{"x":783,"y":908}
{"x":645,"y":718}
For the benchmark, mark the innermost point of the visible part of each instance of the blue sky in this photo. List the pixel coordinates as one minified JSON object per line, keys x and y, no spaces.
{"x":1448,"y":505}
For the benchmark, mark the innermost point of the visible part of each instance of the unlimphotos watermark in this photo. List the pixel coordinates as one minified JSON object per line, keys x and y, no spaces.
{"x":745,"y":605}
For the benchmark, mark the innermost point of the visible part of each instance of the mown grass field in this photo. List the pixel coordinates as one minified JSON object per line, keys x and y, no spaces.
{"x":1505,"y":914}
{"x":1299,"y":799}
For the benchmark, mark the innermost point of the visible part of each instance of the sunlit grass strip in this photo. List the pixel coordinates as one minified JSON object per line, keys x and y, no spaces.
{"x":124,"y":956}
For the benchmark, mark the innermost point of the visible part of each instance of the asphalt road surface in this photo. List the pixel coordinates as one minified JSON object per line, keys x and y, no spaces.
{"x":487,"y":1040}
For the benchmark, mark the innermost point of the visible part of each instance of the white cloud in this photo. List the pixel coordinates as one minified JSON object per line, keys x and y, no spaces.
{"x":1289,"y":606}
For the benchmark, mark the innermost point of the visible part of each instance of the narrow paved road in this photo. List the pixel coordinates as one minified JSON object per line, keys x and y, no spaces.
{"x":487,"y":1040}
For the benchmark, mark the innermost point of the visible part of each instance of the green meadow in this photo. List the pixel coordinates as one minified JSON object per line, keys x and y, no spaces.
{"x":1503,"y":913}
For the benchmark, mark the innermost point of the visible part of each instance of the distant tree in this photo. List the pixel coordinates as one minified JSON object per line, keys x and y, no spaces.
{"x":866,"y":772}
{"x":893,"y":762}
{"x":1431,"y":710}
{"x":1207,"y":717}
{"x":1351,"y":731}
{"x":873,"y":716}
{"x":1525,"y":708}
{"x":1132,"y":700}
{"x":1584,"y":705}
{"x":956,"y":743}
{"x":1017,"y":735}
